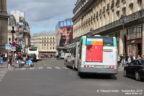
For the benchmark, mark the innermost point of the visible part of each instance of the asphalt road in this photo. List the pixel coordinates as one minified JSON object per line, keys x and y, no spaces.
{"x":51,"y":78}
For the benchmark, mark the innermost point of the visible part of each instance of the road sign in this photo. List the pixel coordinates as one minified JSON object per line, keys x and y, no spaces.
{"x":23,"y":43}
{"x":13,"y":48}
{"x":8,"y":46}
{"x":13,"y":44}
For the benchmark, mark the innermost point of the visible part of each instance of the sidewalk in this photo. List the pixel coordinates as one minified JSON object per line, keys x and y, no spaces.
{"x":120,"y":68}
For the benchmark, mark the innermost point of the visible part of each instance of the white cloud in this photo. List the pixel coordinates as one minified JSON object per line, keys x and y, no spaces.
{"x":43,"y":12}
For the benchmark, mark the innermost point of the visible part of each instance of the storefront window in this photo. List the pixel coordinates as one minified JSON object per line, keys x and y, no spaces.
{"x":135,"y":32}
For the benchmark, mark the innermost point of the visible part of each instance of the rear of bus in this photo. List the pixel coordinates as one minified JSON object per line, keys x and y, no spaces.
{"x":98,"y":55}
{"x":33,"y":50}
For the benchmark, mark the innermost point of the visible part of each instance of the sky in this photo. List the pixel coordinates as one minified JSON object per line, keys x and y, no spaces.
{"x":43,"y":15}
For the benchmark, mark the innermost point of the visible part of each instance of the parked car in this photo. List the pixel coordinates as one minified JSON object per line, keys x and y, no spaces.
{"x":135,"y":69}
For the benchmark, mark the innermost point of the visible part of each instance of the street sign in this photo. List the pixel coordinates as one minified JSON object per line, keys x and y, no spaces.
{"x":13,"y":48}
{"x":23,"y":43}
{"x":8,"y":46}
{"x":13,"y":44}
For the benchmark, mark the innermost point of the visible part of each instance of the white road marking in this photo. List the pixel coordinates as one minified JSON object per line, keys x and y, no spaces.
{"x":23,"y":69}
{"x":65,"y":68}
{"x":57,"y":68}
{"x":31,"y":68}
{"x":49,"y":67}
{"x":40,"y":68}
{"x":2,"y":74}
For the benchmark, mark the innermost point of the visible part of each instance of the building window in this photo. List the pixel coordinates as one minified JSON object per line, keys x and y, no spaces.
{"x":140,"y":4}
{"x":135,"y":32}
{"x":118,"y":14}
{"x":131,"y":8}
{"x":124,"y":11}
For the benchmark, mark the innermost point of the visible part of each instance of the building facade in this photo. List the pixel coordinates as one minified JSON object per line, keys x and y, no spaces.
{"x":22,"y":30}
{"x":64,"y":33}
{"x":45,"y":42}
{"x":3,"y":25}
{"x":123,"y":19}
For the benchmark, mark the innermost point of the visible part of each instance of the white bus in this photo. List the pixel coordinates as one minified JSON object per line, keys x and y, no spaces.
{"x":94,"y":54}
{"x":33,"y":50}
{"x":97,"y":54}
{"x":70,"y":59}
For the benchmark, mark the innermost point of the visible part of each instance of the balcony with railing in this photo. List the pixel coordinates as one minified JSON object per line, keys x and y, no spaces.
{"x":126,"y":20}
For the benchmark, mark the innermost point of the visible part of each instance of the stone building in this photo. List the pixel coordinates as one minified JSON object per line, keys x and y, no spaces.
{"x":3,"y":25}
{"x":45,"y":42}
{"x":123,"y":19}
{"x":22,"y":30}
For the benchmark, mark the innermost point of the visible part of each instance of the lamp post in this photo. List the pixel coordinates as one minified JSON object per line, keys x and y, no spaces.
{"x":123,"y":17}
{"x":13,"y":32}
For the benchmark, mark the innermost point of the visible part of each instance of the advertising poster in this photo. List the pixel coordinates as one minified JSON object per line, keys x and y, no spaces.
{"x":65,"y":30}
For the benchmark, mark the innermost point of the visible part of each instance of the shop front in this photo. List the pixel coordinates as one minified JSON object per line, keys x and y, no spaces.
{"x":134,"y":41}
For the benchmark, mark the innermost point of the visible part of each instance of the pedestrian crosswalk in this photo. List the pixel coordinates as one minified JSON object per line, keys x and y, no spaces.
{"x":2,"y":74}
{"x":41,"y":68}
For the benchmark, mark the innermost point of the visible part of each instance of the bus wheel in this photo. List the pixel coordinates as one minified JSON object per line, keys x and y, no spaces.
{"x":113,"y":76}
{"x":81,"y":75}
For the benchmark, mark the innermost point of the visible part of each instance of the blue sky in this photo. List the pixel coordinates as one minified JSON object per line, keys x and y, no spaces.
{"x":43,"y":15}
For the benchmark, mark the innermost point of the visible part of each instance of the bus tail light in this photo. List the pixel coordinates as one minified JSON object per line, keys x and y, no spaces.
{"x":88,"y":66}
{"x":109,"y":67}
{"x":142,"y":68}
{"x":84,"y":66}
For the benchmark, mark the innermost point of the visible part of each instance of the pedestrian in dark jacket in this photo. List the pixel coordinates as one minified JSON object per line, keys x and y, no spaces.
{"x":10,"y":59}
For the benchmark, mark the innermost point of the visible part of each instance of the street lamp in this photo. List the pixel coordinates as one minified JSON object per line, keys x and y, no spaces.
{"x":13,"y":31}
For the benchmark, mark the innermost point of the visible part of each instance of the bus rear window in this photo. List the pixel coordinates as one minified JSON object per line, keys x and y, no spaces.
{"x":108,"y":41}
{"x":33,"y":49}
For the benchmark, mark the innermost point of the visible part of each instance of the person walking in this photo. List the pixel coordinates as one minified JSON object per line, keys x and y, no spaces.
{"x":10,"y":60}
{"x":139,"y":57}
{"x":6,"y":56}
{"x":1,"y":59}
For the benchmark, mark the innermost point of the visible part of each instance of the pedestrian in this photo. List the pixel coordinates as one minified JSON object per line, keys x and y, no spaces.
{"x":6,"y":56}
{"x":29,"y":62}
{"x":1,"y":58}
{"x":9,"y":60}
{"x":19,"y":58}
{"x":139,"y":57}
{"x":142,"y":57}
{"x":131,"y":58}
{"x":126,"y":59}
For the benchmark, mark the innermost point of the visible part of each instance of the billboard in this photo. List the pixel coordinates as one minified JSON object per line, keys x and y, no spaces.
{"x":65,"y":35}
{"x":65,"y":32}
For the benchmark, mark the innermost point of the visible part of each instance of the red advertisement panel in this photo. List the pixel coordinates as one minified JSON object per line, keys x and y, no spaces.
{"x":94,"y":53}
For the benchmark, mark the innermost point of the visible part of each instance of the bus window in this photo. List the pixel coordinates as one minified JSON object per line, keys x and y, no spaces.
{"x":33,"y":48}
{"x":108,"y":41}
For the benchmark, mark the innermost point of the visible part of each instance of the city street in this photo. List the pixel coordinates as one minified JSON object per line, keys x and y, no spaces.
{"x":50,"y":77}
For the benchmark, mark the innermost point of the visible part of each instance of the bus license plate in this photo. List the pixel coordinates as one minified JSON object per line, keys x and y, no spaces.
{"x":99,"y":67}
